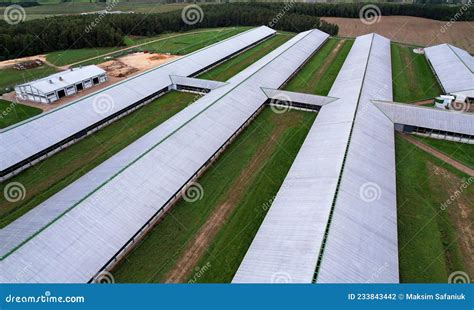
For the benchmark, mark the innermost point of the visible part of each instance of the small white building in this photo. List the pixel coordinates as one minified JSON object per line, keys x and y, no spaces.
{"x":61,"y":84}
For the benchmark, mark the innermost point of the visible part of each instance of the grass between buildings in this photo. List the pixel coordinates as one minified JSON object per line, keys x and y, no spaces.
{"x":462,"y":152}
{"x":320,"y":72}
{"x":237,"y":191}
{"x":12,"y":113}
{"x":9,"y":77}
{"x":435,"y":216}
{"x":55,"y":173}
{"x":242,"y":61}
{"x":63,"y":58}
{"x":186,"y":44}
{"x":412,"y":77}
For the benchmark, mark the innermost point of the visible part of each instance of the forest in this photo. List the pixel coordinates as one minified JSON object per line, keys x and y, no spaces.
{"x":65,"y":32}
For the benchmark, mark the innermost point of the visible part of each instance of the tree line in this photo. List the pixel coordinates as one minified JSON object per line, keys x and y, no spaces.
{"x":70,"y":32}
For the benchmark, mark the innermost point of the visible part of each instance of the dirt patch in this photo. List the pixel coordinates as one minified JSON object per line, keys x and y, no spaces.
{"x":133,"y":63}
{"x":10,"y":63}
{"x":117,"y":70}
{"x":439,"y":155}
{"x":460,"y":211}
{"x":320,"y":72}
{"x":410,"y":30}
{"x":197,"y":246}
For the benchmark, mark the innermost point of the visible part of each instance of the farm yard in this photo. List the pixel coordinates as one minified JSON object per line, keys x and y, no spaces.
{"x":63,"y":168}
{"x":60,"y":170}
{"x":192,"y":110}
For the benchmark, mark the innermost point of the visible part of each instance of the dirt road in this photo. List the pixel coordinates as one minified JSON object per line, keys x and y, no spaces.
{"x":439,"y":155}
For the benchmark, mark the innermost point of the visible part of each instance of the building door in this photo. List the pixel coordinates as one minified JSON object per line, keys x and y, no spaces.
{"x":61,"y":93}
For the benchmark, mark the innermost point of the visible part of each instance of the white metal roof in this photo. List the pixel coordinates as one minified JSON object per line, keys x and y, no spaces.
{"x":453,"y":67}
{"x":60,"y":80}
{"x":289,"y":240}
{"x":32,"y":136}
{"x":362,"y":241}
{"x":407,"y":114}
{"x":195,"y":82}
{"x":78,"y":244}
{"x":288,"y":97}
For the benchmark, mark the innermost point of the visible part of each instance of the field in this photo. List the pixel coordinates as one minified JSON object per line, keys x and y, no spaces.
{"x":413,"y":79}
{"x":242,"y":61}
{"x":434,"y":237}
{"x":53,"y":8}
{"x":462,"y":152}
{"x":217,"y":230}
{"x":189,"y":43}
{"x":173,"y":43}
{"x":11,"y":113}
{"x":63,"y":58}
{"x":319,"y":73}
{"x":60,"y":170}
{"x":63,"y":168}
{"x":9,"y":77}
{"x":410,"y":30}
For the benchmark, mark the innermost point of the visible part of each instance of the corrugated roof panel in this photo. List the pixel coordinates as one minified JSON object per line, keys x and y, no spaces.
{"x":406,"y":114}
{"x":452,"y":66}
{"x":289,"y":240}
{"x":362,"y":240}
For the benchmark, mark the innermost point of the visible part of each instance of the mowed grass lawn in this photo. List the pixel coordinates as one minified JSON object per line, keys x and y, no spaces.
{"x":236,"y":64}
{"x":246,"y":177}
{"x":173,"y":43}
{"x":185,"y":44}
{"x":320,"y":72}
{"x":63,"y":58}
{"x":10,"y":77}
{"x":12,"y":113}
{"x":412,"y":77}
{"x":462,"y":152}
{"x":430,"y":237}
{"x":53,"y":174}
